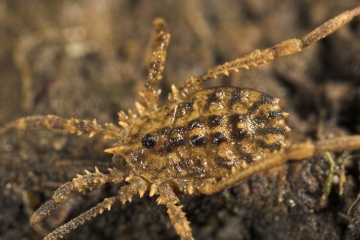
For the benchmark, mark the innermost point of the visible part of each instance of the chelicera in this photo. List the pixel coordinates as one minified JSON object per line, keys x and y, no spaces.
{"x":198,"y":142}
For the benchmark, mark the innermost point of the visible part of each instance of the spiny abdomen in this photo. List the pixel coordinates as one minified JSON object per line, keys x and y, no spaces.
{"x":210,"y":134}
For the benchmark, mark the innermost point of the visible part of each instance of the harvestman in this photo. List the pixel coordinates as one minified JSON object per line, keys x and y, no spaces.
{"x":165,"y":156}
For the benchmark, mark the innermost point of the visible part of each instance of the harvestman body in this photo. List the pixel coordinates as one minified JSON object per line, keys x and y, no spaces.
{"x":198,"y":142}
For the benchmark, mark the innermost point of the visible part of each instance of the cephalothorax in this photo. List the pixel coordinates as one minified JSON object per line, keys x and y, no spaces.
{"x":200,"y":141}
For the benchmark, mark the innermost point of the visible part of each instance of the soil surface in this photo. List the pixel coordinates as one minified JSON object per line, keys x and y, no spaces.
{"x":88,"y":59}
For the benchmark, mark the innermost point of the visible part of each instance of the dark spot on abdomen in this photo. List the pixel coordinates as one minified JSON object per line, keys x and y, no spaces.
{"x":273,"y":146}
{"x":212,"y":98}
{"x":267,"y":99}
{"x":148,"y":141}
{"x":167,"y":146}
{"x":264,"y":99}
{"x":235,"y":98}
{"x":215,"y":120}
{"x":197,"y":140}
{"x":218,"y":138}
{"x":196,"y":123}
{"x":270,"y":130}
{"x":247,"y":157}
{"x":223,"y":162}
{"x":237,"y":133}
{"x":275,"y":115}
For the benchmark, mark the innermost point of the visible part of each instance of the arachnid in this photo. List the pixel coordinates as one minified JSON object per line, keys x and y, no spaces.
{"x":200,"y":141}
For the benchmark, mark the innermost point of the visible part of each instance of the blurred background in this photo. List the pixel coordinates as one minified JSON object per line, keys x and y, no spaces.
{"x":88,"y":59}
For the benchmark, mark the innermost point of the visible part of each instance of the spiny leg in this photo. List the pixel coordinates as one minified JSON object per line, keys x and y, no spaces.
{"x":288,"y":47}
{"x":81,"y":219}
{"x":297,"y":151}
{"x":80,"y":183}
{"x":177,"y":216}
{"x":136,"y":185}
{"x":72,"y":126}
{"x":151,"y":94}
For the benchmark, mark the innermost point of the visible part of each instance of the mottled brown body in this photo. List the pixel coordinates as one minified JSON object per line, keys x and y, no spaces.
{"x":209,"y":135}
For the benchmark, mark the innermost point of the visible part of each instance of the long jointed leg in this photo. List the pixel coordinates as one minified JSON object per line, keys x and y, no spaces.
{"x":151,"y":94}
{"x":136,"y":186}
{"x":81,"y":183}
{"x":177,"y":216}
{"x":291,"y":46}
{"x":80,"y":220}
{"x":72,"y":126}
